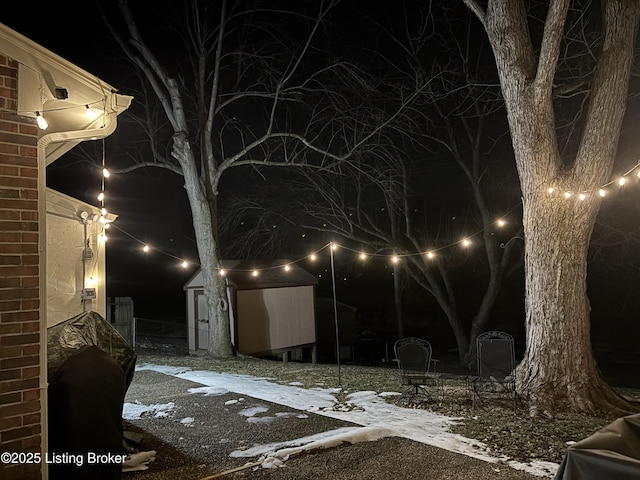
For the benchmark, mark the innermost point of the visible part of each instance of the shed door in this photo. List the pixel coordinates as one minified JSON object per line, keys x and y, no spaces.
{"x":202,"y":321}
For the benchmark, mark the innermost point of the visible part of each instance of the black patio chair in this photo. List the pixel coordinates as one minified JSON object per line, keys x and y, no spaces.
{"x":417,"y":368}
{"x":495,"y":367}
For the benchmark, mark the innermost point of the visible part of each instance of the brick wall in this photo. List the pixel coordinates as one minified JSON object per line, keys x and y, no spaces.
{"x":20,"y":422}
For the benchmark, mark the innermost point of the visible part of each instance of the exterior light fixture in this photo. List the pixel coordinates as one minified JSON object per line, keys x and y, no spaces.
{"x":42,"y":123}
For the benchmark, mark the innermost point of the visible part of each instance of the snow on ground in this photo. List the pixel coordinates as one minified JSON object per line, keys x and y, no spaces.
{"x":132,"y":411}
{"x":367,"y":409}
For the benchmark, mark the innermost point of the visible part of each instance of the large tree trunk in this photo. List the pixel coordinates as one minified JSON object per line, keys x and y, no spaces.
{"x":205,"y":227}
{"x":558,"y":371}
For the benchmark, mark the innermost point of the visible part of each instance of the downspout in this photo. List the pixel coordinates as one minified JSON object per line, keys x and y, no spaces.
{"x":109,"y":126}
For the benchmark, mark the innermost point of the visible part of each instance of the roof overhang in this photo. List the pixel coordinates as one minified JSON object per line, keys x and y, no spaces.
{"x":61,"y":91}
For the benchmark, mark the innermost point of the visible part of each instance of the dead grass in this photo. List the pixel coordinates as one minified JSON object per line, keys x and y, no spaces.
{"x":516,"y":437}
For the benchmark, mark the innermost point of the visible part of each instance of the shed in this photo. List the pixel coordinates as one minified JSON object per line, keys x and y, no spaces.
{"x":272,"y":312}
{"x":326,"y":327}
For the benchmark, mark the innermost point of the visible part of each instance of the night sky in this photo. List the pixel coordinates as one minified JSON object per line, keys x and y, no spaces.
{"x":151,"y":204}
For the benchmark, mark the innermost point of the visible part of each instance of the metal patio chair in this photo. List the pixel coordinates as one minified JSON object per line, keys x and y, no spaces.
{"x":495,"y":367}
{"x":417,"y":368}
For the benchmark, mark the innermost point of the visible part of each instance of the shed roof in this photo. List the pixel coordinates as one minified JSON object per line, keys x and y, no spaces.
{"x":271,"y":274}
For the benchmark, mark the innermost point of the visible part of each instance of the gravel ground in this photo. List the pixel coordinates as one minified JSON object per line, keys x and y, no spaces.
{"x":201,"y":450}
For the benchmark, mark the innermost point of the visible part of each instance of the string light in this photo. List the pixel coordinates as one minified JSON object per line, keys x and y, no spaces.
{"x":146,"y":249}
{"x":313,"y":256}
{"x":91,"y":113}
{"x":601,"y":191}
{"x":105,"y":173}
{"x":42,"y":123}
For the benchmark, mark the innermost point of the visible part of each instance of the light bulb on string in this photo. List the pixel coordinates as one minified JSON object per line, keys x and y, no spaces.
{"x":106,"y":173}
{"x":287,"y":268}
{"x":101,"y":197}
{"x":184,"y":264}
{"x":363,"y":256}
{"x":466,"y":242}
{"x":91,"y":113}
{"x":602,"y":192}
{"x":103,"y":212}
{"x":42,"y":123}
{"x":501,"y":222}
{"x":146,"y":249}
{"x":430,"y":255}
{"x":622,"y":181}
{"x":254,"y":273}
{"x":395,"y":259}
{"x":582,"y":196}
{"x":223,"y":272}
{"x":313,"y":257}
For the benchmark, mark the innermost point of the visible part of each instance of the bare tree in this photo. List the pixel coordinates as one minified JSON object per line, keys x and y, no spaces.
{"x":380,"y":201}
{"x":532,"y":57}
{"x":249,"y":86}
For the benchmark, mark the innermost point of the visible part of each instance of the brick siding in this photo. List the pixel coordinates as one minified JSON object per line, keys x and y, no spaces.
{"x":20,"y":422}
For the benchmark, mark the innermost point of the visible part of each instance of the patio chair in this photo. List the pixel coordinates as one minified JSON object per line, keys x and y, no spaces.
{"x":415,"y":363}
{"x":495,"y":366}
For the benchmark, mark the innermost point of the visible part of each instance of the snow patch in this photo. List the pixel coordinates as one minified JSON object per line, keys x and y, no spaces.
{"x":134,"y":411}
{"x":209,"y":391}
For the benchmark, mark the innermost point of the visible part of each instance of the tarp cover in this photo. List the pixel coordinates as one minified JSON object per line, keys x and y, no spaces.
{"x":85,"y":415}
{"x":88,"y":328}
{"x":613,"y":452}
